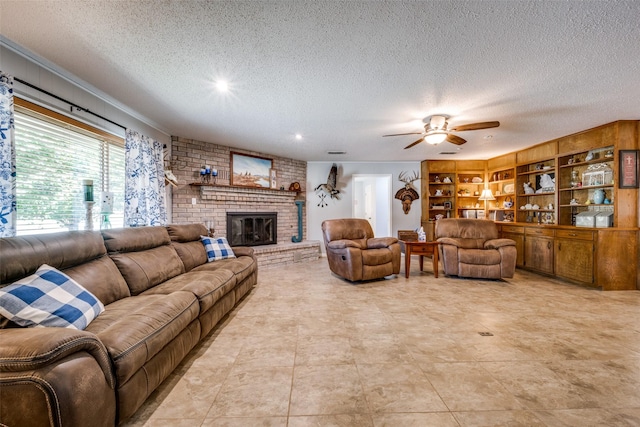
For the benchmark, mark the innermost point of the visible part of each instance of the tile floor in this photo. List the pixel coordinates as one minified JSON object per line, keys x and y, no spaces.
{"x":306,"y":348}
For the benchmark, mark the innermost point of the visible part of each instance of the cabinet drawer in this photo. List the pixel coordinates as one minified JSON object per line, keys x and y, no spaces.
{"x":538,"y":231}
{"x":424,"y":250}
{"x":512,"y":229}
{"x":577,"y":234}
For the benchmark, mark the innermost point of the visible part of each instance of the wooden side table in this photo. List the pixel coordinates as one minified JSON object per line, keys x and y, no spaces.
{"x":422,"y":249}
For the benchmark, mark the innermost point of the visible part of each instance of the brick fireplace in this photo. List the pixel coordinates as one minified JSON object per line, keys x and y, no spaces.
{"x":252,"y":228}
{"x":213,"y":202}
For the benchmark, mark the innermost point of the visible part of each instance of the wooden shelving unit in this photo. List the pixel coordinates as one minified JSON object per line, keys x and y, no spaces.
{"x":547,"y":239}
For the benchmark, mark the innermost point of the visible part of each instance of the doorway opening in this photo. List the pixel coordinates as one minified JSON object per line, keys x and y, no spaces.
{"x":372,"y":201}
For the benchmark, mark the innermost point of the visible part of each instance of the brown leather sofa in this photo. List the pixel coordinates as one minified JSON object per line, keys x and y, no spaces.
{"x":471,"y":248}
{"x":355,"y":254}
{"x":161,"y":298}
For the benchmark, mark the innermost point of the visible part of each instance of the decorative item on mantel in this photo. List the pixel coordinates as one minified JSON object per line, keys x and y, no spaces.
{"x":210,"y":225}
{"x":205,"y":174}
{"x":295,"y":186}
{"x":408,"y":193}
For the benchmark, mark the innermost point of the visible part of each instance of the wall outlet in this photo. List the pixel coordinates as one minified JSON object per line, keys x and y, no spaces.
{"x":193,"y":201}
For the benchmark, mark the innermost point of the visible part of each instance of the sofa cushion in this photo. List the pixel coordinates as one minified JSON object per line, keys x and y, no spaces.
{"x":121,"y":240}
{"x":242,"y":267}
{"x":183,"y":233}
{"x":135,"y":329}
{"x":208,"y":286}
{"x":143,"y":255}
{"x":479,"y":256}
{"x":466,"y":228}
{"x":49,"y":298}
{"x":217,"y":248}
{"x":22,"y":256}
{"x":377,"y":257}
{"x":185,"y":238}
{"x":102,"y":278}
{"x":192,"y":253}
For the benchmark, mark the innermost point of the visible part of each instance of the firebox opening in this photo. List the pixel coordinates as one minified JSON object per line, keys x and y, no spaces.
{"x":252,"y":228}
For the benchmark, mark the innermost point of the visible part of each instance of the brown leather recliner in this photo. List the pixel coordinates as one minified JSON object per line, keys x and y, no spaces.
{"x":355,"y":254}
{"x":471,"y":248}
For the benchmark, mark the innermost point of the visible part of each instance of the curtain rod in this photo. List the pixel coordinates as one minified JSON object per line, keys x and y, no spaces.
{"x":79,"y":108}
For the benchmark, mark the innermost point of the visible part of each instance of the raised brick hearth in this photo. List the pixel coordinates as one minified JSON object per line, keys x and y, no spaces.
{"x":287,"y":253}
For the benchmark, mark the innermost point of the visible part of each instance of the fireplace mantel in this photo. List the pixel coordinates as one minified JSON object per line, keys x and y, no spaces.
{"x":227,"y":193}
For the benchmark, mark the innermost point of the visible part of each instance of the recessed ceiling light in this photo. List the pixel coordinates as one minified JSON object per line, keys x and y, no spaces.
{"x":298,"y":136}
{"x":222,"y":86}
{"x":487,"y":137}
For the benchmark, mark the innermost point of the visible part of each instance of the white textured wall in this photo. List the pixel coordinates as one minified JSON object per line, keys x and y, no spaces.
{"x":317,"y":173}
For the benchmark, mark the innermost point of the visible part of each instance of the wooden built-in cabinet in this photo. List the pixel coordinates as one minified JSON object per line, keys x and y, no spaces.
{"x":538,"y":249}
{"x":574,"y":255}
{"x":606,"y":258}
{"x":564,"y":176}
{"x":515,"y":233}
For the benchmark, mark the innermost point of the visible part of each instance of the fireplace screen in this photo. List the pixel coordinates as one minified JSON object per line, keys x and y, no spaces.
{"x":252,"y":228}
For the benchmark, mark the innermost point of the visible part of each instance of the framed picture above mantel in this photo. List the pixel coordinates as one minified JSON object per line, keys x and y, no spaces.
{"x":250,"y":171}
{"x":629,"y":169}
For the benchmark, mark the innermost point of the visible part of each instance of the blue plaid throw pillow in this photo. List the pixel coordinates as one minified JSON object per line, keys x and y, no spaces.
{"x":49,"y":298}
{"x":217,"y":248}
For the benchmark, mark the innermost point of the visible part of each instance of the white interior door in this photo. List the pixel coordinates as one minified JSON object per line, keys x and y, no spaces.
{"x":372,"y":201}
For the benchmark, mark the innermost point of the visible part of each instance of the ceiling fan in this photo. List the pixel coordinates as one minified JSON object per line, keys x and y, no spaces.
{"x":437,"y":130}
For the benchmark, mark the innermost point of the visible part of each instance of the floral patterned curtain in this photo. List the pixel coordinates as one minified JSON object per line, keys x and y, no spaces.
{"x":144,"y":181}
{"x":7,"y":159}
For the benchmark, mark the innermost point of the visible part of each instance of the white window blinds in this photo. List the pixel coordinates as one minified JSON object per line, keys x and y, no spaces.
{"x":52,"y":160}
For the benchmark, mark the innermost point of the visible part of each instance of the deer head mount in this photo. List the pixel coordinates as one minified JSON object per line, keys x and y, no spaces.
{"x":408,"y":193}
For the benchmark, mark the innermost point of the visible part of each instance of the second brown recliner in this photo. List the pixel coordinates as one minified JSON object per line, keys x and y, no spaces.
{"x":472,"y":248}
{"x":355,"y":254}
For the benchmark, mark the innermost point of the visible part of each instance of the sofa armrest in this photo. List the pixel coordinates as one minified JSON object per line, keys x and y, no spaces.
{"x":380,"y":242}
{"x":243,"y":251}
{"x":460,"y":243}
{"x":498,"y":243}
{"x":342,"y":244}
{"x":27,"y":349}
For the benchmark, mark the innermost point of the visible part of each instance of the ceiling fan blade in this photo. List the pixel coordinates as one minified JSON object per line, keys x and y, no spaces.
{"x":414,"y":143}
{"x":455,"y":139}
{"x":475,"y":126}
{"x":410,"y":133}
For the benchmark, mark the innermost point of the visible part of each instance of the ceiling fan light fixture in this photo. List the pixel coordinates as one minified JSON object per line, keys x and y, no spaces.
{"x":438,"y":122}
{"x":435,"y":138}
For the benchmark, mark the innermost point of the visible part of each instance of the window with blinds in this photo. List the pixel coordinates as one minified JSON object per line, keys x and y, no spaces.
{"x":54,"y":155}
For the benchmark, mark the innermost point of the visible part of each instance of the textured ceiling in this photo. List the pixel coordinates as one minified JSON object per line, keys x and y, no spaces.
{"x":343,"y":73}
